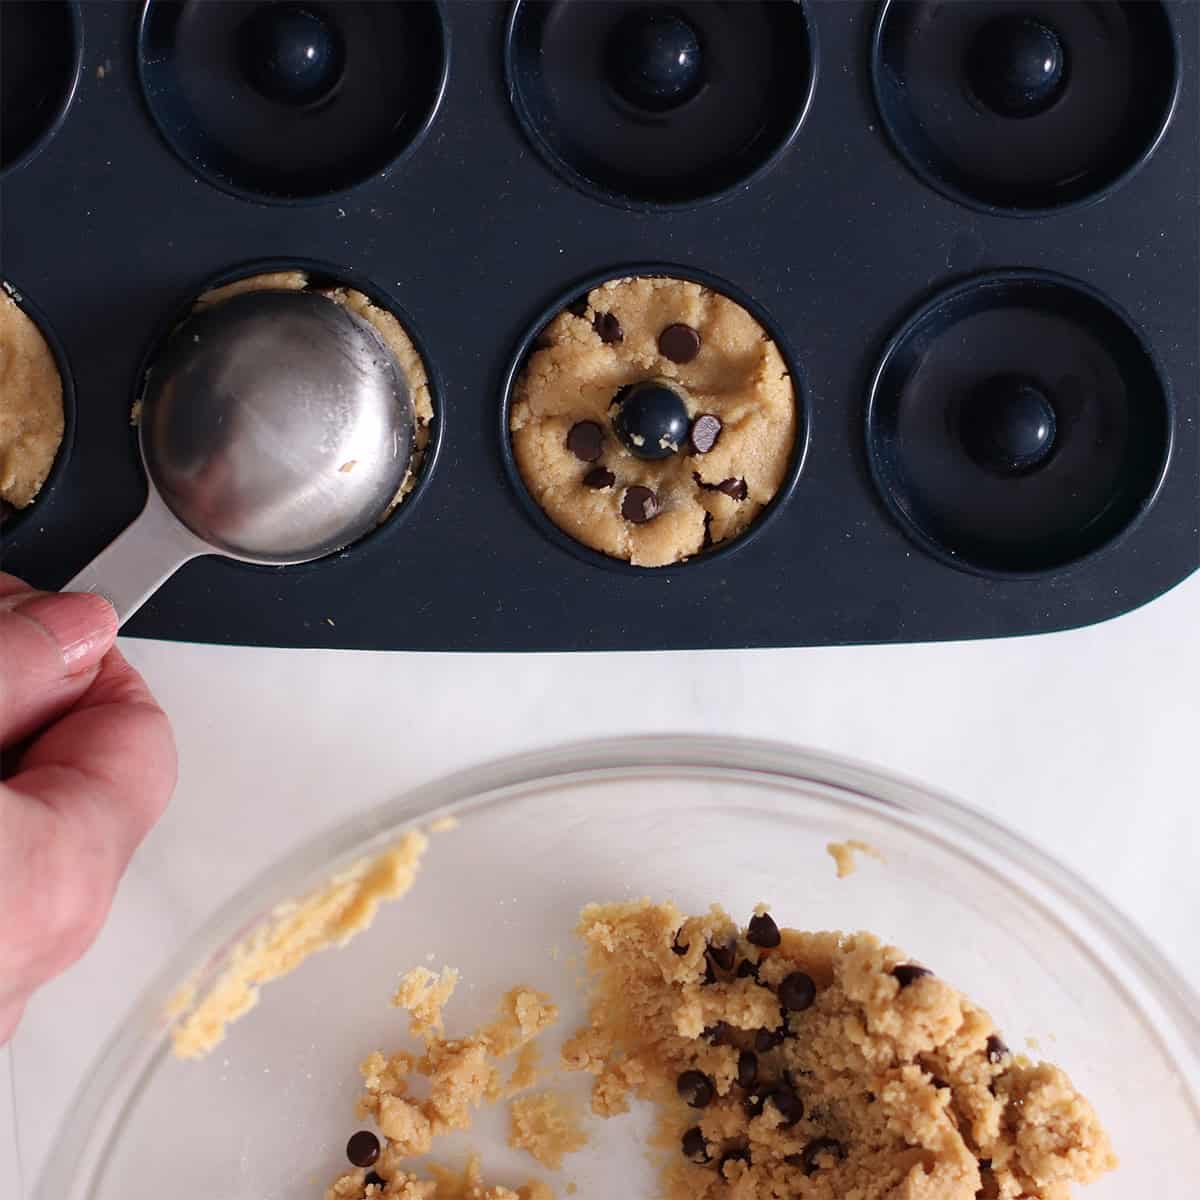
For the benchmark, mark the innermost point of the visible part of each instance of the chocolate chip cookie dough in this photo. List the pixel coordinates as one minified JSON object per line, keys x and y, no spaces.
{"x":456,"y":1077}
{"x":817,"y":1066}
{"x":31,"y":406}
{"x":385,"y":324}
{"x":656,"y":418}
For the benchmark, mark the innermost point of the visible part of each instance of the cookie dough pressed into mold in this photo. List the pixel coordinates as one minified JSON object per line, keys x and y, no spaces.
{"x":715,"y":484}
{"x":32,"y":419}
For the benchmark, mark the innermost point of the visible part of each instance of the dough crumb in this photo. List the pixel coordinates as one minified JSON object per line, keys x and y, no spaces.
{"x":456,"y":1075}
{"x":445,"y":1184}
{"x":524,"y":1013}
{"x":844,"y":855}
{"x":817,"y":1066}
{"x":545,"y":1124}
{"x":468,"y":1184}
{"x":457,"y":1185}
{"x":424,"y":995}
{"x":525,"y":1072}
{"x":329,"y":915}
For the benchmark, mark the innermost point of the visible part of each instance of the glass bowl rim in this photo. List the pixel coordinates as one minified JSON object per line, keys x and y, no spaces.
{"x":86,"y":1130}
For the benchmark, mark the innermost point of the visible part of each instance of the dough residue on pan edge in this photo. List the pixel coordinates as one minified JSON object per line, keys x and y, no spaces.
{"x":330,"y":915}
{"x":817,"y":1066}
{"x":31,"y":406}
{"x":844,"y":855}
{"x":384,"y":323}
{"x":455,"y":1076}
{"x":737,"y":377}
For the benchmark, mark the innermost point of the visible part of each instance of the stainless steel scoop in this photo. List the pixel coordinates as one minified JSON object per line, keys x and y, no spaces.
{"x":276,"y":427}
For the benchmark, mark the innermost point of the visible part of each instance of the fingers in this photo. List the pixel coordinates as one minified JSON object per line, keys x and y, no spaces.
{"x":114,"y":757}
{"x":86,"y":790}
{"x":10,"y":585}
{"x":51,"y":645}
{"x":85,"y":793}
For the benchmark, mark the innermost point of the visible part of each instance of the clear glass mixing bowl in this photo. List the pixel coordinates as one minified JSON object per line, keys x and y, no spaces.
{"x":267,"y":1114}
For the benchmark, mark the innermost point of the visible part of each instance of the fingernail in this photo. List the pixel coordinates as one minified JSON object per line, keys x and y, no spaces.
{"x":82,"y":624}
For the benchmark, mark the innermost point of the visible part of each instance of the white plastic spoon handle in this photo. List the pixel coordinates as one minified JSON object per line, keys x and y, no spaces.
{"x":139,"y":559}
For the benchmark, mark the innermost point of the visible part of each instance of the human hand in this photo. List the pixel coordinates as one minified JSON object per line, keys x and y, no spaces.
{"x":87,"y":762}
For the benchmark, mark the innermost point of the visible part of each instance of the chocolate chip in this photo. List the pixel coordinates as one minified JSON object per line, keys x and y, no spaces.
{"x":762,"y":931}
{"x":363,"y":1148}
{"x":790,"y":1106}
{"x":907,"y":973}
{"x":640,"y":505}
{"x":585,"y":440}
{"x":710,"y":976}
{"x":705,"y":430}
{"x":747,"y":1071}
{"x":722,"y":957}
{"x":985,"y":1164}
{"x":695,"y":1148}
{"x":696,"y":1088}
{"x":735,"y":489}
{"x":676,"y":947}
{"x":577,"y":308}
{"x":747,"y":970}
{"x":372,"y":1178}
{"x":733,"y":1156}
{"x":997,"y":1051}
{"x":608,"y":328}
{"x":768,"y":1039}
{"x":756,"y":1101}
{"x":716,"y":1034}
{"x":797,"y":992}
{"x":601,"y":478}
{"x":679,"y":343}
{"x":815,"y":1149}
{"x":938,"y":1082}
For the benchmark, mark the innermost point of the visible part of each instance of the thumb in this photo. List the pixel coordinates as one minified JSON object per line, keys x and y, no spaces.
{"x":50,"y":647}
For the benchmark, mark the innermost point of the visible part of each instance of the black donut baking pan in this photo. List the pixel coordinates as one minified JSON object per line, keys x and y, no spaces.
{"x":969,"y":227}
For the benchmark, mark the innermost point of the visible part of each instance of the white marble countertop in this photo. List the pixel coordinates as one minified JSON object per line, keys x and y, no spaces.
{"x":1084,"y":741}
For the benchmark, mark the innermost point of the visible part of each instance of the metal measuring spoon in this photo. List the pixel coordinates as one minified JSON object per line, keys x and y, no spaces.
{"x":276,"y":427}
